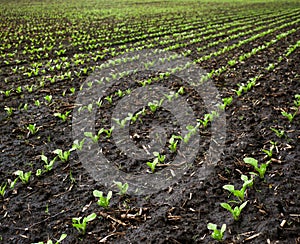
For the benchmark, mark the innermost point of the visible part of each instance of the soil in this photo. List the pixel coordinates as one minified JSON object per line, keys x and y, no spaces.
{"x":43,"y":209}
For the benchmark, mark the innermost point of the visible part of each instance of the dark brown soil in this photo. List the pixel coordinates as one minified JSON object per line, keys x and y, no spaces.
{"x":43,"y":209}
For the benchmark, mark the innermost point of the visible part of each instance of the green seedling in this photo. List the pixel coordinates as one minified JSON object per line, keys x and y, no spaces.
{"x":173,"y":143}
{"x":226,"y":102}
{"x":48,"y":98}
{"x":81,"y":225}
{"x":72,"y":90}
{"x":270,"y":67}
{"x":240,"y":193}
{"x":29,"y":88}
{"x":279,"y":133}
{"x":24,"y":177}
{"x":192,"y":131}
{"x":19,"y":89}
{"x":72,"y":179}
{"x":63,"y":155}
{"x":37,"y":103}
{"x":64,"y":116}
{"x":155,"y":105}
{"x":232,"y":62}
{"x":240,"y":90}
{"x":94,"y":138}
{"x":289,"y":116}
{"x":236,"y":212}
{"x":12,"y":184}
{"x":217,"y":234}
{"x":108,"y":132}
{"x":48,"y":165}
{"x":2,"y":189}
{"x":122,"y":187}
{"x":297,"y":100}
{"x":171,"y":95}
{"x":153,"y":164}
{"x":206,"y":119}
{"x":99,"y":103}
{"x":180,"y":90}
{"x":261,"y":170}
{"x":62,"y":237}
{"x":146,"y":82}
{"x":161,"y":158}
{"x":270,"y":151}
{"x":120,"y":93}
{"x":247,"y":182}
{"x":25,"y":107}
{"x":78,"y":145}
{"x":109,"y":99}
{"x":32,"y":129}
{"x":102,"y":201}
{"x":121,"y":123}
{"x":7,"y":92}
{"x":133,"y":118}
{"x":89,"y":107}
{"x":9,"y":110}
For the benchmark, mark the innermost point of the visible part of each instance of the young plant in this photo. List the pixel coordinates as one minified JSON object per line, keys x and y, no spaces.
{"x":120,"y":93}
{"x":81,"y":225}
{"x":94,"y":138}
{"x":133,"y":118}
{"x":232,"y":62}
{"x":270,"y":151}
{"x":78,"y":145}
{"x":180,"y":90}
{"x":64,"y":116}
{"x":206,"y":119}
{"x":153,"y":164}
{"x":108,"y":132}
{"x":109,"y":99}
{"x":2,"y":189}
{"x":297,"y":100}
{"x":48,"y":165}
{"x":102,"y":201}
{"x":62,"y":237}
{"x":240,"y":193}
{"x":13,"y":183}
{"x":9,"y":110}
{"x":173,"y":143}
{"x":240,"y":90}
{"x":63,"y":156}
{"x":72,"y":90}
{"x":155,"y":105}
{"x":32,"y":129}
{"x":261,"y":170}
{"x":37,"y":103}
{"x":236,"y":212}
{"x":121,"y":123}
{"x":161,"y":158}
{"x":122,"y":187}
{"x":217,"y":234}
{"x":226,"y":102}
{"x":279,"y":133}
{"x":289,"y":116}
{"x":171,"y":95}
{"x":24,"y":177}
{"x":48,"y":98}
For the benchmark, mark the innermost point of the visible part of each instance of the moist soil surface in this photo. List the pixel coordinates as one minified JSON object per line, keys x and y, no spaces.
{"x":43,"y":209}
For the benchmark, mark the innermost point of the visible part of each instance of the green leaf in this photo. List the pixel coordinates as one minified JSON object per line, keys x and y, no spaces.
{"x":211,"y":226}
{"x":223,"y":228}
{"x":90,"y":217}
{"x":97,"y":193}
{"x":251,"y":161}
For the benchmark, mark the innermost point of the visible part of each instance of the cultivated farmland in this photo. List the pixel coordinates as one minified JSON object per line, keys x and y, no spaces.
{"x":222,"y":148}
